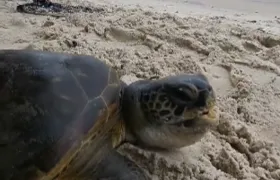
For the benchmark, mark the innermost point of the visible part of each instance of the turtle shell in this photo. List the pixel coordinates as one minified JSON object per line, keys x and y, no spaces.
{"x":48,"y":103}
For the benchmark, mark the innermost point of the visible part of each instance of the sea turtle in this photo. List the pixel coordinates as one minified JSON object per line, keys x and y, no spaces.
{"x":63,"y":116}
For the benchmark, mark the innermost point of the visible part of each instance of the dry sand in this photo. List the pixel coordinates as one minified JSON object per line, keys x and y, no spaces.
{"x":240,"y":56}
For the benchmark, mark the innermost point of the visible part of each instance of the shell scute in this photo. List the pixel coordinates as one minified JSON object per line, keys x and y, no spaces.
{"x":91,"y":112}
{"x":91,"y":74}
{"x":111,"y":94}
{"x":53,"y":102}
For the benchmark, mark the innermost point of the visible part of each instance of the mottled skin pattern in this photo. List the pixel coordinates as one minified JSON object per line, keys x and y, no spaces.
{"x":62,"y":116}
{"x":172,"y":112}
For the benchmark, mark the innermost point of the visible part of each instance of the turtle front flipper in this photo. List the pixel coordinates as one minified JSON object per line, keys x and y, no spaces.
{"x":118,"y":167}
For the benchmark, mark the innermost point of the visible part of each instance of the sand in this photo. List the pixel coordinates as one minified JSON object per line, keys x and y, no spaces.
{"x":239,"y":52}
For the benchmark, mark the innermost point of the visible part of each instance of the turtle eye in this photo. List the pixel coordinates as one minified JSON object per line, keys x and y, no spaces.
{"x":189,"y":92}
{"x":183,"y":95}
{"x":202,"y":98}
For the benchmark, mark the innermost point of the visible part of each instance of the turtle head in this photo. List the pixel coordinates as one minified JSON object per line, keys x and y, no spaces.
{"x":171,"y":112}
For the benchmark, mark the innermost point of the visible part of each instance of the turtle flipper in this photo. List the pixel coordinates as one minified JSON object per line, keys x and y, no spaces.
{"x":118,"y":167}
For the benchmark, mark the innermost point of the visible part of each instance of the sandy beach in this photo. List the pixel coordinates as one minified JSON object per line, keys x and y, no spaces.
{"x":238,"y":48}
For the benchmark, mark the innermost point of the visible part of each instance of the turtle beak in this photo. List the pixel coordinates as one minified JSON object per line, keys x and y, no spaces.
{"x":211,"y":116}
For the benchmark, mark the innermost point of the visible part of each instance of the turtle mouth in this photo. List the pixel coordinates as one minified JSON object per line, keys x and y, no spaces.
{"x":210,"y":116}
{"x":206,"y":118}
